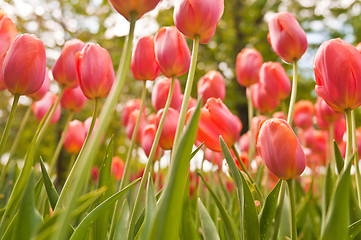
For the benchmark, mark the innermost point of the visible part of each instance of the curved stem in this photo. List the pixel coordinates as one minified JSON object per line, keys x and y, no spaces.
{"x":357,"y":166}
{"x":125,"y":177}
{"x":293,"y":209}
{"x":188,"y":90}
{"x":293,"y":93}
{"x":8,"y":124}
{"x":251,"y":137}
{"x":349,"y":136}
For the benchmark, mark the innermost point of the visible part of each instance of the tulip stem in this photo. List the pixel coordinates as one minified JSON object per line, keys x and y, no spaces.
{"x":277,"y":222}
{"x":133,"y":139}
{"x":293,"y":209}
{"x":330,"y":151}
{"x":354,"y":145}
{"x":187,"y":92}
{"x":293,"y":93}
{"x":349,"y":136}
{"x":135,"y":209}
{"x":60,"y":144}
{"x":251,"y":135}
{"x":8,"y":124}
{"x":85,"y":161}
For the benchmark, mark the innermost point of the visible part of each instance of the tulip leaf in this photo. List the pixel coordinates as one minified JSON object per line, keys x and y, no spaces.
{"x":209,"y":230}
{"x":50,"y":189}
{"x":328,"y":189}
{"x":189,"y":228}
{"x":338,"y":157}
{"x":268,"y":212}
{"x":167,"y":216}
{"x":87,"y":223}
{"x":354,"y":229}
{"x":121,"y":229}
{"x":197,"y":150}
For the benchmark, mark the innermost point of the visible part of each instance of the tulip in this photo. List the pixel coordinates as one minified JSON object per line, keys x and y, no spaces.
{"x":73,"y":99}
{"x":129,"y":128}
{"x":303,"y":114}
{"x":172,"y":52}
{"x":87,"y":124}
{"x":140,"y":7}
{"x":64,"y":69}
{"x":75,"y":137}
{"x":261,"y":100}
{"x":152,"y":119}
{"x":95,"y":71}
{"x":211,"y":85}
{"x":41,"y":107}
{"x":198,"y":18}
{"x":215,"y":120}
{"x":160,"y":94}
{"x":143,"y":65}
{"x":8,"y":33}
{"x":324,"y":114}
{"x":244,"y":141}
{"x":287,"y":37}
{"x":280,"y":149}
{"x":147,"y":140}
{"x":117,"y":168}
{"x":215,"y":158}
{"x":340,"y":129}
{"x":36,"y":96}
{"x":129,"y":107}
{"x":167,"y":135}
{"x":248,"y":64}
{"x":24,"y":66}
{"x":358,"y":47}
{"x":256,"y":122}
{"x":95,"y":174}
{"x":275,"y":80}
{"x":337,"y":67}
{"x":279,"y":115}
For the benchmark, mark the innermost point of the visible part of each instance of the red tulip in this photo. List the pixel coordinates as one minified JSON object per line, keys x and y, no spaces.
{"x":215,"y":158}
{"x":256,"y":122}
{"x":261,"y":100}
{"x":160,"y":94}
{"x":169,"y":128}
{"x":129,"y":107}
{"x":275,"y":80}
{"x":129,"y":128}
{"x":324,"y":114}
{"x":140,"y":7}
{"x":244,"y":141}
{"x":143,"y":65}
{"x":117,"y":167}
{"x":198,"y":17}
{"x":36,"y":96}
{"x":64,"y":69}
{"x":287,"y":37}
{"x":74,"y":137}
{"x":211,"y":85}
{"x":339,"y":129}
{"x":95,"y":174}
{"x":152,"y":119}
{"x":337,"y":67}
{"x":95,"y":71}
{"x":73,"y":99}
{"x":41,"y":107}
{"x":87,"y":124}
{"x":279,"y":115}
{"x":147,"y":140}
{"x":280,"y":149}
{"x":358,"y":137}
{"x":8,"y":33}
{"x":24,"y":66}
{"x":215,"y":120}
{"x":303,"y":114}
{"x":249,"y":62}
{"x":172,"y":52}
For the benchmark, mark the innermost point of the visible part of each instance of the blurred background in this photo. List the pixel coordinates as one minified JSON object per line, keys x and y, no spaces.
{"x":244,"y":24}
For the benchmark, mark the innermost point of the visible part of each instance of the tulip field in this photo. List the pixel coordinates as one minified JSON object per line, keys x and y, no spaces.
{"x":190,"y":167}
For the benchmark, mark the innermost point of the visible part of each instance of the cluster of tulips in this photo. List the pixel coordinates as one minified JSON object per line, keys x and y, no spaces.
{"x":242,"y":196}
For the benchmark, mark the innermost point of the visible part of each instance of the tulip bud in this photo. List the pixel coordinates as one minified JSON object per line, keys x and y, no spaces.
{"x":287,"y":37}
{"x":74,"y":137}
{"x":147,"y":140}
{"x":129,"y":128}
{"x":249,"y":62}
{"x":95,"y":71}
{"x":324,"y":114}
{"x":24,"y":66}
{"x":140,"y":7}
{"x":117,"y":167}
{"x":339,"y":129}
{"x":303,"y":114}
{"x":169,"y":128}
{"x":172,"y":52}
{"x":36,"y":96}
{"x":8,"y":33}
{"x":275,"y":80}
{"x":261,"y":100}
{"x":337,"y":67}
{"x":198,"y":17}
{"x":73,"y":99}
{"x":64,"y":69}
{"x":211,"y":85}
{"x":143,"y":65}
{"x":280,"y":115}
{"x":216,"y":120}
{"x":280,"y":149}
{"x":129,"y":107}
{"x":244,"y":141}
{"x":256,"y":122}
{"x":41,"y":107}
{"x":161,"y":91}
{"x":152,"y":119}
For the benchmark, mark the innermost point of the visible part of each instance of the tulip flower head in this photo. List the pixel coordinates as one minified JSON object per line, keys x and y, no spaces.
{"x":129,"y":128}
{"x":261,"y":100}
{"x":287,"y":37}
{"x":280,"y":149}
{"x":160,"y":94}
{"x":211,"y":85}
{"x":147,"y":140}
{"x":324,"y":114}
{"x":337,"y":67}
{"x":73,"y":99}
{"x":129,"y":107}
{"x":41,"y":107}
{"x":140,"y":7}
{"x":36,"y":96}
{"x":215,"y":158}
{"x":303,"y":114}
{"x":249,"y":62}
{"x":8,"y":34}
{"x":198,"y":17}
{"x":169,"y":128}
{"x":74,"y":137}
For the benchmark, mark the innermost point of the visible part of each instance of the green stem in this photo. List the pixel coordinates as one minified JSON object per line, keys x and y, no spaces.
{"x":8,"y":124}
{"x":277,"y":222}
{"x":90,"y":150}
{"x":293,"y":209}
{"x":354,"y":145}
{"x":125,"y":177}
{"x":349,"y":135}
{"x":251,"y":137}
{"x":156,"y":185}
{"x":330,"y":152}
{"x":60,"y":144}
{"x":293,"y":93}
{"x":187,"y":92}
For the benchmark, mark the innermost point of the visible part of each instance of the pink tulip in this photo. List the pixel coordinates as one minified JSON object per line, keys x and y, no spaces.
{"x":244,"y":141}
{"x":324,"y":114}
{"x":129,"y":128}
{"x":211,"y":85}
{"x":256,"y":123}
{"x":280,"y":115}
{"x":198,"y":17}
{"x":169,"y":128}
{"x":147,"y":140}
{"x":36,"y":96}
{"x":129,"y":107}
{"x":41,"y":107}
{"x":339,"y":129}
{"x":75,"y":137}
{"x":73,"y":99}
{"x":117,"y":167}
{"x":140,"y":7}
{"x":303,"y":114}
{"x":8,"y":34}
{"x":160,"y":94}
{"x":215,"y":158}
{"x":249,"y":62}
{"x":261,"y":100}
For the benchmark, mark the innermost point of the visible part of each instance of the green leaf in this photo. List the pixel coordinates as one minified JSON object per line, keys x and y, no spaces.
{"x":228,"y":223}
{"x":188,"y":226}
{"x":121,"y":229}
{"x":354,"y":229}
{"x":197,"y":150}
{"x":209,"y":230}
{"x":87,"y":223}
{"x":268,"y":213}
{"x":328,"y":189}
{"x":149,"y":209}
{"x":166,"y":222}
{"x":338,"y":157}
{"x":50,"y":189}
